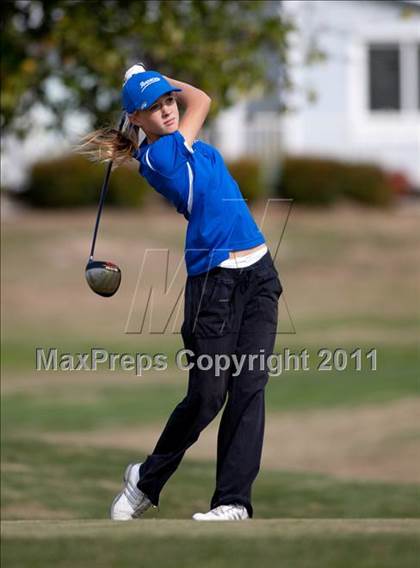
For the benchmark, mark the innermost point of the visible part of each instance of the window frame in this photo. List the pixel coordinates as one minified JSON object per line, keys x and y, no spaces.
{"x":409,"y":83}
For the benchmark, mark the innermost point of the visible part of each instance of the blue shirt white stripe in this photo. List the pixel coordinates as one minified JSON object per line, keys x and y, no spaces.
{"x":196,"y":180}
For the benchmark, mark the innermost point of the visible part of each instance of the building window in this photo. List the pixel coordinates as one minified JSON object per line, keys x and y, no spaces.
{"x":394,"y":77}
{"x":384,"y":77}
{"x":418,"y":77}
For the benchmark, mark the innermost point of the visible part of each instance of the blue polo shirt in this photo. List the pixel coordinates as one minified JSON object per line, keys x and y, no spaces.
{"x":197,"y":182}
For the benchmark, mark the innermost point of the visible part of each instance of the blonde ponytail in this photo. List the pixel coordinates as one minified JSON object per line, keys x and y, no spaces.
{"x":108,"y":144}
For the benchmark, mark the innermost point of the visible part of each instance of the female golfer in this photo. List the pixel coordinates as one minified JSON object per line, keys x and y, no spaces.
{"x":231,"y":295}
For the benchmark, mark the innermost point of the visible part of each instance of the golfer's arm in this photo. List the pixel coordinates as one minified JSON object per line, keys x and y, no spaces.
{"x":197,"y":105}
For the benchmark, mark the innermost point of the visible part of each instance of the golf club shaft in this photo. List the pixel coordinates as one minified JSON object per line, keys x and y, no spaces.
{"x":103,"y":194}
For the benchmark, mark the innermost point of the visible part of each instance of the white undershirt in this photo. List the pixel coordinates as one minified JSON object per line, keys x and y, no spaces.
{"x":244,"y":260}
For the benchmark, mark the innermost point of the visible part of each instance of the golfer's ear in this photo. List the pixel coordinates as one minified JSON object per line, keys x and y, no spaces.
{"x":133,"y":117}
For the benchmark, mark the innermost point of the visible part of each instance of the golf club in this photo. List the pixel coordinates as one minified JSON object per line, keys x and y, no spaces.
{"x":103,"y":277}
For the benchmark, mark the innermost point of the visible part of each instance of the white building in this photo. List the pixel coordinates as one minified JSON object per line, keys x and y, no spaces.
{"x":362,"y":102}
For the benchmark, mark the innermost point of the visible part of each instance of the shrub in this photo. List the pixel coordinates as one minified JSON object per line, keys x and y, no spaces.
{"x":320,"y":181}
{"x":128,"y":187}
{"x":73,"y":181}
{"x":367,"y":184}
{"x":313,"y":181}
{"x":400,"y":183}
{"x":246,"y":171}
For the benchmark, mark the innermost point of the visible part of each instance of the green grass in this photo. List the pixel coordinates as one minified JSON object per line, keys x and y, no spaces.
{"x":61,"y":481}
{"x":19,"y":354}
{"x":397,"y":376}
{"x":145,"y":544}
{"x":83,"y":408}
{"x":76,"y":482}
{"x":358,"y":321}
{"x":61,"y":405}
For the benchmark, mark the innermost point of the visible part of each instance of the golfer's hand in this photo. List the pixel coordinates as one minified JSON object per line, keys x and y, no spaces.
{"x":137,"y":68}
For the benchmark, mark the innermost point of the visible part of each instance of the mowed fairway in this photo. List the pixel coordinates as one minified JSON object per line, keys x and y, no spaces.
{"x":340,"y":482}
{"x":180,"y":543}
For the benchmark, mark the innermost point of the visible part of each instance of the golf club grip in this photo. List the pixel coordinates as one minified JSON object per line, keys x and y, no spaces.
{"x":103,"y":194}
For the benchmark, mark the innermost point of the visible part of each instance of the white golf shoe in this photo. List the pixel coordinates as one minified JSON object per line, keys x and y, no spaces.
{"x":234,"y":512}
{"x":131,"y":503}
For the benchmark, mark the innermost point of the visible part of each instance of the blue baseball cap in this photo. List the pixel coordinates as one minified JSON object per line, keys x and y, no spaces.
{"x":141,"y":90}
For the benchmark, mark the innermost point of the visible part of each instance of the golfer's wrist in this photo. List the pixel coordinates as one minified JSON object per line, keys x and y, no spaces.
{"x":189,"y":94}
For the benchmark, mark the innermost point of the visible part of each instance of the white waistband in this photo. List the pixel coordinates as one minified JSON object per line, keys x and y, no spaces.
{"x":244,"y":260}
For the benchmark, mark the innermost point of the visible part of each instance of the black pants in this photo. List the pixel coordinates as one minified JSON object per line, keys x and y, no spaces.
{"x":228,"y":312}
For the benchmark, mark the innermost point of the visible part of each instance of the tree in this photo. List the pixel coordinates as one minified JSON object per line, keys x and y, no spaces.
{"x":71,"y":55}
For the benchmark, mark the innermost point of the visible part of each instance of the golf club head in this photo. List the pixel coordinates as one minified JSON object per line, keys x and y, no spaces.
{"x":103,"y":277}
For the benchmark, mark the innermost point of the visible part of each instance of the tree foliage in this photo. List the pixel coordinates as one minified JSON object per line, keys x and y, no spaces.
{"x":71,"y":54}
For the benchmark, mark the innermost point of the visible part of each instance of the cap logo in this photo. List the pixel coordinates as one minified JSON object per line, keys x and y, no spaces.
{"x":145,"y":84}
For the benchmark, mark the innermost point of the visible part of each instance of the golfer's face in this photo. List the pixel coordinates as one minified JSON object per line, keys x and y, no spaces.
{"x":160,"y":119}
